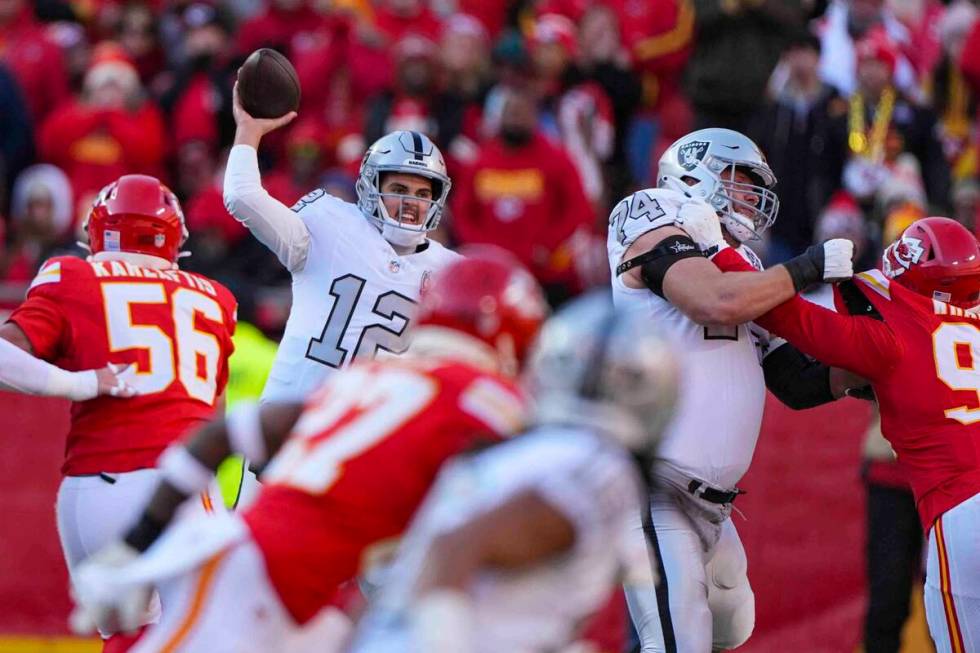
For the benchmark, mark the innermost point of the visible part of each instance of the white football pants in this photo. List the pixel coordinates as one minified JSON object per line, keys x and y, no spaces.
{"x":952,"y":589}
{"x":703,"y":600}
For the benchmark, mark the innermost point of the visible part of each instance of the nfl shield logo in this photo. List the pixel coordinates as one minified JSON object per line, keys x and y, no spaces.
{"x":690,"y":155}
{"x":159,"y":240}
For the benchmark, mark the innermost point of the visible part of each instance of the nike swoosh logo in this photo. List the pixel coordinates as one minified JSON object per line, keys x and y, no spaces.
{"x":731,"y":147}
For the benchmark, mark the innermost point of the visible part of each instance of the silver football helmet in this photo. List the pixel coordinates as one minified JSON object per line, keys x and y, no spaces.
{"x":710,"y":158}
{"x":604,"y":368}
{"x":407,"y":152}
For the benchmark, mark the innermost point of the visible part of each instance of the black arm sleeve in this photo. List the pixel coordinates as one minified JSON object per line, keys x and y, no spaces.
{"x":655,"y":263}
{"x":797,"y":380}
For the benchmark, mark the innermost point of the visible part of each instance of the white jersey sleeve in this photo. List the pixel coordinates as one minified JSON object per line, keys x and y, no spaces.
{"x":273,"y":223}
{"x":25,"y":373}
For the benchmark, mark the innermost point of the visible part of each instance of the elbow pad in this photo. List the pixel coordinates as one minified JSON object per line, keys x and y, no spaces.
{"x":796,"y":380}
{"x":655,"y":263}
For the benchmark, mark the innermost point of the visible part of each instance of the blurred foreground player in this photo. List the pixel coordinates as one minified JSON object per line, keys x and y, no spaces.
{"x":350,"y":474}
{"x":911,"y":329}
{"x":517,"y":544}
{"x":127,"y":303}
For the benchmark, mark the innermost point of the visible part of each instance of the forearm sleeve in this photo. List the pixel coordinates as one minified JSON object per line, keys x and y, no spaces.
{"x":25,"y":373}
{"x":860,"y":344}
{"x":273,"y":223}
{"x":796,"y":380}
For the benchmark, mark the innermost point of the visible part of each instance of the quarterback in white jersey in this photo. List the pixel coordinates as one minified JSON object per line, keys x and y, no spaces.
{"x":703,"y":600}
{"x":357,"y":269}
{"x":517,"y":544}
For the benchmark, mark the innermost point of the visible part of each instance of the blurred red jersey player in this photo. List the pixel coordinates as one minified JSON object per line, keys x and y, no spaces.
{"x":349,"y":476}
{"x":912,"y":331}
{"x":127,"y":303}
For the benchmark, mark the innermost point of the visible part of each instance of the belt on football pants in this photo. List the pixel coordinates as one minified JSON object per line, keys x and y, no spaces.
{"x":704,"y":491}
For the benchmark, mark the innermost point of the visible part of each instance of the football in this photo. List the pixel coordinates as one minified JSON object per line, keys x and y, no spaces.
{"x":267,"y":85}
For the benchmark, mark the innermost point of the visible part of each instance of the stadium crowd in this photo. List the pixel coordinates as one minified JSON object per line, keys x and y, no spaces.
{"x":548,"y":110}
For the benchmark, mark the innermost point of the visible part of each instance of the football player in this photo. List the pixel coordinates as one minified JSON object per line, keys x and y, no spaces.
{"x":517,"y":544}
{"x":704,"y":600}
{"x":911,"y":329}
{"x":350,"y":473}
{"x":357,"y":269}
{"x":127,"y":303}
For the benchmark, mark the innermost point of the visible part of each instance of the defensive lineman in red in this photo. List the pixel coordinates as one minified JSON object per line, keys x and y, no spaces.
{"x":911,"y":330}
{"x":354,"y":468}
{"x":128,"y":303}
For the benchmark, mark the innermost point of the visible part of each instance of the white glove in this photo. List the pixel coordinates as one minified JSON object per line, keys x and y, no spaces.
{"x":102,"y":604}
{"x":837,"y":259}
{"x":700,"y":221}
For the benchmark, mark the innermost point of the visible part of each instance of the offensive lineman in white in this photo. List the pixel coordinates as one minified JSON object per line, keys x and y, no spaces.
{"x":517,"y":544}
{"x":703,"y":600}
{"x":357,"y":269}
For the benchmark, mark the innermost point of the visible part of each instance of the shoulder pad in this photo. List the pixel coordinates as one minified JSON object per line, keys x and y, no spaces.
{"x":877,"y":281}
{"x":57,"y":269}
{"x":644,"y":211}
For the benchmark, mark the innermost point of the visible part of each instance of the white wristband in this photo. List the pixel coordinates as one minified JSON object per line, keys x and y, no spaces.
{"x":244,"y":424}
{"x":77,"y":386}
{"x":184,"y":471}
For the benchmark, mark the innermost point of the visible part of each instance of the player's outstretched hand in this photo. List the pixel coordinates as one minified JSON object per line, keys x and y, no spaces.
{"x":700,"y":222}
{"x":100,"y":603}
{"x":111,"y":381}
{"x":251,"y":130}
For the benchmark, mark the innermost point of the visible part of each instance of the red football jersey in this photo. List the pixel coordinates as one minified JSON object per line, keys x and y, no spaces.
{"x":922,"y":357}
{"x":359,"y":462}
{"x":176,"y":328}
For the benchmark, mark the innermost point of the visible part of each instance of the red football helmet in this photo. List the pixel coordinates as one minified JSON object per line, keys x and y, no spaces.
{"x":488,"y":295}
{"x":938,"y":258}
{"x":136,"y":213}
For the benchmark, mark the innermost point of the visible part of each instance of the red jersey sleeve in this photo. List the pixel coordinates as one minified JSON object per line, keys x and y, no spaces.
{"x":497,"y":406}
{"x":860,"y":344}
{"x":41,"y":317}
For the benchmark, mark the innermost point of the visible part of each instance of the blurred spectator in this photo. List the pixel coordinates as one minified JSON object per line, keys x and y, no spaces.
{"x":304,"y":163}
{"x":282,"y":22}
{"x":414,"y":101}
{"x":32,"y":57}
{"x":842,"y":218}
{"x":320,"y":61}
{"x":879,"y":124}
{"x":16,"y":136}
{"x":893,"y":553}
{"x":953,"y":99}
{"x":751,"y":33}
{"x":604,"y":60}
{"x":249,"y":365}
{"x":523,"y":194}
{"x":369,"y":58}
{"x":791,"y":130}
{"x":108,"y":130}
{"x":966,"y":203}
{"x":41,"y":216}
{"x":198,"y":101}
{"x":465,"y":53}
{"x":849,"y":21}
{"x":137,"y":35}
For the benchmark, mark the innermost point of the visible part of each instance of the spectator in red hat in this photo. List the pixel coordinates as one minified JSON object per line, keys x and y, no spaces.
{"x":523,"y":194}
{"x":107,"y":130}
{"x":370,"y":58}
{"x":33,"y":58}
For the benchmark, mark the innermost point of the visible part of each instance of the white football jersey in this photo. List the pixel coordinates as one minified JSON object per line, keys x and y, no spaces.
{"x":722,"y":393}
{"x":592,"y":482}
{"x":353,"y":298}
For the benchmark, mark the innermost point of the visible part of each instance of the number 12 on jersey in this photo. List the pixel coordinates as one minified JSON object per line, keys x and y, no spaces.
{"x":396,"y":309}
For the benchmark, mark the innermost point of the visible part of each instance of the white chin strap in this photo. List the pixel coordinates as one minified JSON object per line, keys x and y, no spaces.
{"x":740,"y":227}
{"x":402,"y":237}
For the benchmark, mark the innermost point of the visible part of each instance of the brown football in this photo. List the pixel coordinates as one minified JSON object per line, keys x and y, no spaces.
{"x":267,"y":85}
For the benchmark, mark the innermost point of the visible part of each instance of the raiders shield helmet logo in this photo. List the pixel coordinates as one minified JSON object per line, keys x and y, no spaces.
{"x":690,"y":155}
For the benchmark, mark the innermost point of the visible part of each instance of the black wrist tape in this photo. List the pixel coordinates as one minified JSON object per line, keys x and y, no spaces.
{"x":144,"y":533}
{"x":807,"y":268}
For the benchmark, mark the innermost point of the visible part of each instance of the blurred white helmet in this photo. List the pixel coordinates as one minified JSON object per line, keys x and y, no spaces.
{"x":710,"y":158}
{"x":406,"y":152}
{"x":607,"y":369}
